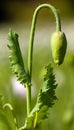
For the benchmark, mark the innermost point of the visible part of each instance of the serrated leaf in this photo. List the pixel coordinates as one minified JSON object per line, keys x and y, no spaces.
{"x":47,"y":92}
{"x":45,"y":100}
{"x":15,"y":58}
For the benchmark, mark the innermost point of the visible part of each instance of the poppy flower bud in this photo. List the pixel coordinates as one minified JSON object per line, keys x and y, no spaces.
{"x":58,"y":46}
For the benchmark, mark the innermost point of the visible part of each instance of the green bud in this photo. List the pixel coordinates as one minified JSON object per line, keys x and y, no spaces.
{"x":58,"y":46}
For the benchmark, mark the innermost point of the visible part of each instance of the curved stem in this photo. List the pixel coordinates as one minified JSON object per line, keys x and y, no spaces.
{"x":32,"y":33}
{"x":58,"y":28}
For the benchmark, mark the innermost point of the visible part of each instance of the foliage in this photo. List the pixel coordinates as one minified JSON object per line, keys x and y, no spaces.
{"x":45,"y":100}
{"x":46,"y":95}
{"x":15,"y":57}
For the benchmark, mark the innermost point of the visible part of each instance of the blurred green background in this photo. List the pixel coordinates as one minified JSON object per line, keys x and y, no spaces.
{"x":17,"y":14}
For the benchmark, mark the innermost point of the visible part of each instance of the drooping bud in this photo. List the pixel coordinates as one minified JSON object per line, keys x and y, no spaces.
{"x":58,"y":46}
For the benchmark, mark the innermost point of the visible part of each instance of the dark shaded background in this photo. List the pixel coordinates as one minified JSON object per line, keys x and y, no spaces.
{"x":12,"y":9}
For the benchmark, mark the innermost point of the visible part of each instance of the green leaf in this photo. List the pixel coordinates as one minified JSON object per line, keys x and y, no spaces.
{"x":45,"y":100}
{"x":16,"y":60}
{"x":47,"y":92}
